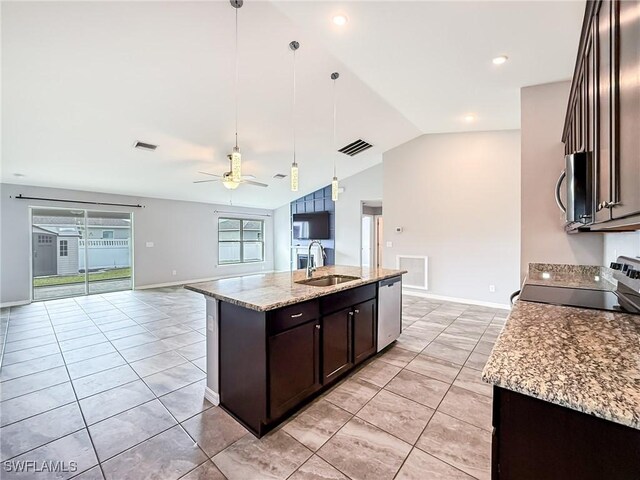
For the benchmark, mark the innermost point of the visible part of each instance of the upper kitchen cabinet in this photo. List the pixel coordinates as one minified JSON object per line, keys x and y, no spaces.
{"x":603,"y":114}
{"x":627,"y":46}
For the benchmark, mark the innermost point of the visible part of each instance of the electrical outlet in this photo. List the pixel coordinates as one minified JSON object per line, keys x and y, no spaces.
{"x":492,"y":288}
{"x":389,"y":244}
{"x":149,"y":244}
{"x":173,"y":272}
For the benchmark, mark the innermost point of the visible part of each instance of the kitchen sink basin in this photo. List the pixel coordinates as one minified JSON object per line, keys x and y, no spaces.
{"x":328,"y":280}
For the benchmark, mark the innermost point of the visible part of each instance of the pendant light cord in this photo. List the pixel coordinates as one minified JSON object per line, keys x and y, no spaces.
{"x":236,"y":79}
{"x":294,"y":107}
{"x":334,"y":126}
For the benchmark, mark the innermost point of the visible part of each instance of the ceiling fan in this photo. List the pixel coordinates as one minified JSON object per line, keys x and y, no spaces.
{"x":227,"y":179}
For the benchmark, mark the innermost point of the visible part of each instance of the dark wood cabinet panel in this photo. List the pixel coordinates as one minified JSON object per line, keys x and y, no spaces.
{"x":294,"y":367}
{"x":534,"y":440}
{"x":627,"y":182}
{"x":242,"y":351}
{"x":604,"y":155}
{"x":364,"y":331}
{"x":336,"y":344}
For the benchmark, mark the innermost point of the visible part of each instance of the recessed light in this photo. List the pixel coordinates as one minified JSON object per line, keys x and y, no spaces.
{"x":500,"y":60}
{"x":340,"y":20}
{"x":19,"y":175}
{"x":469,"y":118}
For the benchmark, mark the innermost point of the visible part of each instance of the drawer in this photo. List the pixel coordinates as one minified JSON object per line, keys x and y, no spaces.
{"x":292,"y":316}
{"x":347,"y":298}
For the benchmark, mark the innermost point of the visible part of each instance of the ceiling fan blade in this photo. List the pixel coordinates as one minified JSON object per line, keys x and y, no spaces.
{"x":210,"y":174}
{"x":257,"y":184}
{"x":205,"y":181}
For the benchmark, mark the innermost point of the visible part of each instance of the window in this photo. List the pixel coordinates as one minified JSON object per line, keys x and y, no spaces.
{"x":107,"y":234}
{"x":240,"y":240}
{"x":64,"y":248}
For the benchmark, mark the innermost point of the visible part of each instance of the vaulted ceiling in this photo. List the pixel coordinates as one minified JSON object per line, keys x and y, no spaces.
{"x":82,"y":81}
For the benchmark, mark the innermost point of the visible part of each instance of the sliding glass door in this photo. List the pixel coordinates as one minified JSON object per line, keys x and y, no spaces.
{"x":76,"y":252}
{"x":108,"y":251}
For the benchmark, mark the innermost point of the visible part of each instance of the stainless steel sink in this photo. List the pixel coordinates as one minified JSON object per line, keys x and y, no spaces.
{"x":328,"y":280}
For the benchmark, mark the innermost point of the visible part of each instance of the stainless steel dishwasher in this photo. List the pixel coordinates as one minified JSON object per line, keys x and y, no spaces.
{"x":389,"y":311}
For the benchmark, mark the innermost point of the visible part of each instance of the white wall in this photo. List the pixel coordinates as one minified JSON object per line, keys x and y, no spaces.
{"x":544,"y":240}
{"x":621,"y":243}
{"x":457,"y":198}
{"x":184,"y":236}
{"x":282,"y":238}
{"x":366,"y":185}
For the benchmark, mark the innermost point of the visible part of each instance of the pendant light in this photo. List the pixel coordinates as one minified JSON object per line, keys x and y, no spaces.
{"x":294,"y":165}
{"x":236,"y":158}
{"x":334,"y":181}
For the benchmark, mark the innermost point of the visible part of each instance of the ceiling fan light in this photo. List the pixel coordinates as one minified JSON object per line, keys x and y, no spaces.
{"x":294,"y":177}
{"x":230,"y":184}
{"x":334,"y":189}
{"x":236,"y":165}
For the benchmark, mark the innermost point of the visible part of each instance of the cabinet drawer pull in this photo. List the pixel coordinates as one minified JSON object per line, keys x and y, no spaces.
{"x":297,"y":315}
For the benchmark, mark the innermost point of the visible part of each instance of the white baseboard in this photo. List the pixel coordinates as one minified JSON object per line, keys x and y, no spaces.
{"x":212,"y":396}
{"x":15,"y":304}
{"x":467,"y":301}
{"x":198,"y":280}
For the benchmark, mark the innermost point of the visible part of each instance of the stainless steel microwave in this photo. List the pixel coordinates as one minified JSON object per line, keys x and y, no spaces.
{"x":578,"y":174}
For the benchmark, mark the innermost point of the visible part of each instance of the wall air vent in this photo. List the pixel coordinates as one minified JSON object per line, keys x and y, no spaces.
{"x":279,"y":176}
{"x":355,"y":148}
{"x":145,"y":146}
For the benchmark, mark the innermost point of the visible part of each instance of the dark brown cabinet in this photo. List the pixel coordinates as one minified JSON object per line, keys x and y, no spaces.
{"x":534,"y":440}
{"x":273,"y":362}
{"x":336,"y":344}
{"x":294,"y":366}
{"x":603,"y":113}
{"x":627,"y":180}
{"x":364,"y":330}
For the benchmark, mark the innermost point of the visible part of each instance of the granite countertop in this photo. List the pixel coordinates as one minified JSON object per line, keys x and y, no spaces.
{"x":269,"y":291}
{"x":586,"y":360}
{"x":573,"y":276}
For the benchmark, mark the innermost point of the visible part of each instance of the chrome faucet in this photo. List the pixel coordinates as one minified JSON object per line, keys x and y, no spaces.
{"x":310,"y":263}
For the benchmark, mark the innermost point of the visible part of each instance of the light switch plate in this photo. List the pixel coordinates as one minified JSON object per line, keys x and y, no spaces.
{"x":389,"y":244}
{"x":149,"y":244}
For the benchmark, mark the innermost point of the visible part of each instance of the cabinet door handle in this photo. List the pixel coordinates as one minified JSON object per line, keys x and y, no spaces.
{"x":297,"y":315}
{"x":318,"y":327}
{"x":351,"y":314}
{"x":357,"y":311}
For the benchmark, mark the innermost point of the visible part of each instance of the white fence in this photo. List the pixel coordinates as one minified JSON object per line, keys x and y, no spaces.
{"x":105,"y":253}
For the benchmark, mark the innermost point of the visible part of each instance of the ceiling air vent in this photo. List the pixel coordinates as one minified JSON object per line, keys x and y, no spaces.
{"x":279,"y":176}
{"x":145,"y":146}
{"x":355,"y":148}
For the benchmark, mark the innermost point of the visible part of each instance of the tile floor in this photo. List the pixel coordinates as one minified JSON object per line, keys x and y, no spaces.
{"x":112,"y":386}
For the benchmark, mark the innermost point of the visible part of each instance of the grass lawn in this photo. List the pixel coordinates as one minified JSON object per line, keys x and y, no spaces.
{"x":93,"y":277}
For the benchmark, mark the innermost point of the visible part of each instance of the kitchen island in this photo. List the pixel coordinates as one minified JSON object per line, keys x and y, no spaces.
{"x":275,"y":341}
{"x":566,"y":399}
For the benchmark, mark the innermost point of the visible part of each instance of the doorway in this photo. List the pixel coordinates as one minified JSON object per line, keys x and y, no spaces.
{"x":80,"y":252}
{"x":371,"y":234}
